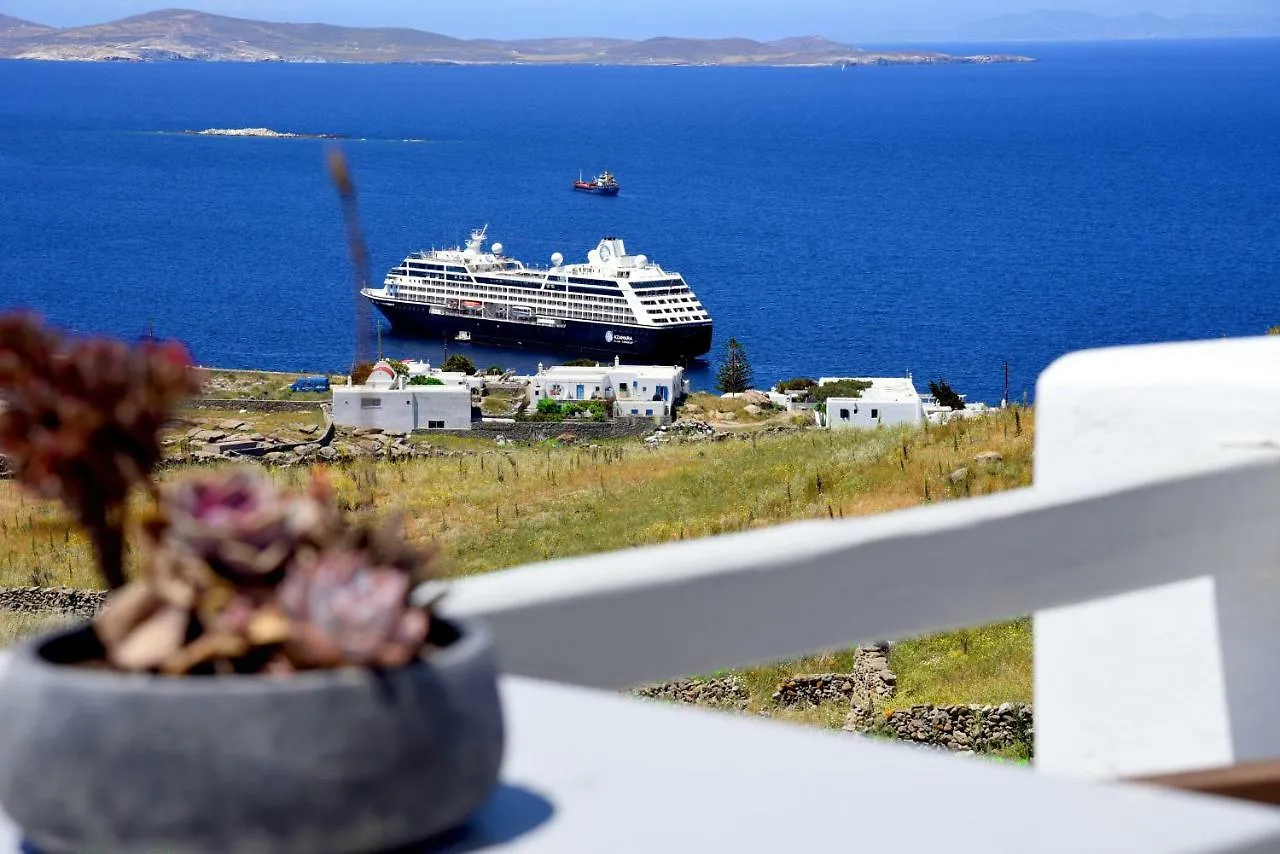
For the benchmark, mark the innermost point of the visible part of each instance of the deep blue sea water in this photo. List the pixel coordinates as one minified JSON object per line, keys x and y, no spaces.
{"x":936,"y":219}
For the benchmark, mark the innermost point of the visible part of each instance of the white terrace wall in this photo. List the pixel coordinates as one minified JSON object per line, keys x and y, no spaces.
{"x":1180,"y":676}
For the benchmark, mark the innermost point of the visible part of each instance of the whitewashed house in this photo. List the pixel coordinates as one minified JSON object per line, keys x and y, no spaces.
{"x":387,"y":402}
{"x":889,"y":401}
{"x":640,"y":391}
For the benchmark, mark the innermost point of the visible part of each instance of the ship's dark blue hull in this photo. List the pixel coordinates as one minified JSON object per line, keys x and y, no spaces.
{"x":599,"y":191}
{"x":676,"y":344}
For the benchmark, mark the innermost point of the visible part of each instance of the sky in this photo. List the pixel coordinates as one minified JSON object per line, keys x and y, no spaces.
{"x":761,"y":19}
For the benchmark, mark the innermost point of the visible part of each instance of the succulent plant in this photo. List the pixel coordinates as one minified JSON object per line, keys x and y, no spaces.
{"x":245,"y":578}
{"x":81,"y":421}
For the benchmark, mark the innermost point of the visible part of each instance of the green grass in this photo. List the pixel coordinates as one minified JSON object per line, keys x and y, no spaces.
{"x":505,"y":506}
{"x":987,"y":665}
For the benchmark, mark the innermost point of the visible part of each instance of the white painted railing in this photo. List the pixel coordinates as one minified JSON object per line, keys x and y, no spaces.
{"x":1147,"y":549}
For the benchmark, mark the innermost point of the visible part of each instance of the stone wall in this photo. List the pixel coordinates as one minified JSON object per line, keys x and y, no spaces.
{"x":52,"y":600}
{"x":866,"y":690}
{"x":728,"y":692}
{"x":980,"y":729}
{"x":537,"y":431}
{"x":223,"y":404}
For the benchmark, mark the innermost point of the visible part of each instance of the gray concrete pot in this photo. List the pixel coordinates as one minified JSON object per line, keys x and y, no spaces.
{"x":325,"y":762}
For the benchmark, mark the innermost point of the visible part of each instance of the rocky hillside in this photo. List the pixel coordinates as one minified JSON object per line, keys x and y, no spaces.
{"x":177,"y":34}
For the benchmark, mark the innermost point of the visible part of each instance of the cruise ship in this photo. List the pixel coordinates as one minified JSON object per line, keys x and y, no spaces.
{"x":615,"y":303}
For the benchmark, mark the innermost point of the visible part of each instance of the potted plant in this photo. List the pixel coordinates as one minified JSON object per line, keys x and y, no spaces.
{"x":269,"y":683}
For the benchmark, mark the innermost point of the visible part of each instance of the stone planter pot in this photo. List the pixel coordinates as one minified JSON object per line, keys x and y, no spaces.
{"x":347,"y":761}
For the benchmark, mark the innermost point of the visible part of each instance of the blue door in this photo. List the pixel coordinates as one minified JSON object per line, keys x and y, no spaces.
{"x":581,"y":390}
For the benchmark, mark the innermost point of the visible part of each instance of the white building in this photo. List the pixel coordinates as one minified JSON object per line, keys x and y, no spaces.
{"x":639,"y":391}
{"x":889,"y":401}
{"x":387,"y":402}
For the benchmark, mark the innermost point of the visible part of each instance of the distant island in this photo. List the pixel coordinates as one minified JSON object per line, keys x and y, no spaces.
{"x":265,"y":133}
{"x":1048,"y":25}
{"x":181,"y":35}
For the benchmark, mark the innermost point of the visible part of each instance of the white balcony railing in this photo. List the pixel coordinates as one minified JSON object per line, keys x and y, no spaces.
{"x":1148,"y":550}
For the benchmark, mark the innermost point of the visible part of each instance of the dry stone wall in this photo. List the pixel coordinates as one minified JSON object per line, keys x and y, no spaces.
{"x":252,"y":405}
{"x":980,"y":729}
{"x":728,"y":692}
{"x":52,"y":600}
{"x":866,"y":690}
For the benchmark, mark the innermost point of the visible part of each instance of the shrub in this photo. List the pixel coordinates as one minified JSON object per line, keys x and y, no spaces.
{"x":421,"y":380}
{"x":401,"y":369}
{"x":840,"y":388}
{"x":582,"y":363}
{"x":494,"y":371}
{"x":361,"y":372}
{"x":796,"y":384}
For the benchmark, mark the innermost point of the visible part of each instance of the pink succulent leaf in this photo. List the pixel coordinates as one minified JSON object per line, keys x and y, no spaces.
{"x":356,"y":607}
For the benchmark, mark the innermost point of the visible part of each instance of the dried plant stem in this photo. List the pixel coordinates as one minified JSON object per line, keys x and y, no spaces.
{"x":340,"y":172}
{"x":105,"y":527}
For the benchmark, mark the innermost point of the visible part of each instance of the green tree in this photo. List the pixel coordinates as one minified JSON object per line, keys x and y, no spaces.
{"x":458,"y":363}
{"x":401,"y":369}
{"x":495,"y":371}
{"x":945,"y":395}
{"x":582,"y":363}
{"x":421,"y":380}
{"x":734,"y":375}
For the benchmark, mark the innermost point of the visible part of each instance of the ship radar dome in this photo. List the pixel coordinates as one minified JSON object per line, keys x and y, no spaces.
{"x":642,"y":260}
{"x":497,"y":249}
{"x":557,"y":259}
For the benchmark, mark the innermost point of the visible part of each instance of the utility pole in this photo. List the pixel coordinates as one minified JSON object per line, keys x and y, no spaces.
{"x":1005,"y":400}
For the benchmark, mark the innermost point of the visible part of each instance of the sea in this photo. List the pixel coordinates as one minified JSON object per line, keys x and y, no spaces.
{"x":944,"y":221}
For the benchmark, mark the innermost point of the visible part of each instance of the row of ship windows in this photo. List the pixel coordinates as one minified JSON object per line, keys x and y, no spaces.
{"x":507,"y":292}
{"x":407,"y":290}
{"x":545,"y":311}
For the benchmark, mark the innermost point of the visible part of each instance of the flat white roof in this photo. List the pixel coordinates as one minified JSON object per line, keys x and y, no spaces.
{"x":640,"y":370}
{"x":883,"y":389}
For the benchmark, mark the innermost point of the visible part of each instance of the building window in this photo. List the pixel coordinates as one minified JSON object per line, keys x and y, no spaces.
{"x":844,"y":414}
{"x":370,"y":403}
{"x":435,"y":425}
{"x":875,"y":413}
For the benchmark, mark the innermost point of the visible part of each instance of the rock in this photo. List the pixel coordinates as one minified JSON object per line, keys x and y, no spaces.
{"x":275,"y":458}
{"x":309,"y":429}
{"x":757,"y":398}
{"x":328,"y":453}
{"x":308,"y":450}
{"x":752,"y":410}
{"x":232,"y":425}
{"x":960,"y":475}
{"x":988,"y":457}
{"x":210,"y":435}
{"x":727,"y":416}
